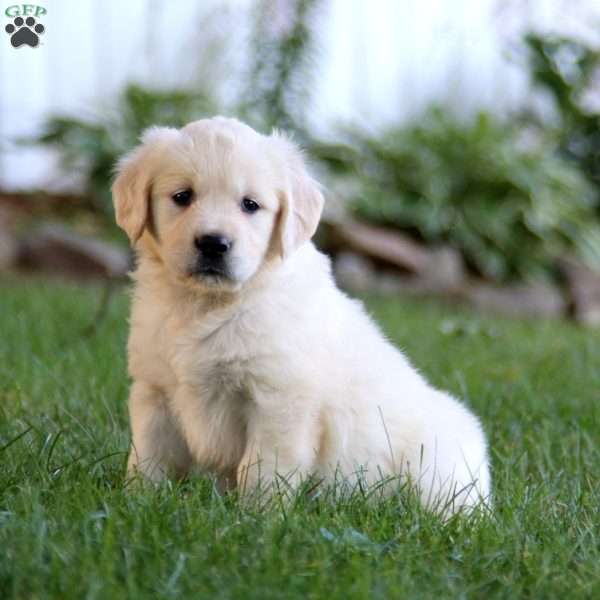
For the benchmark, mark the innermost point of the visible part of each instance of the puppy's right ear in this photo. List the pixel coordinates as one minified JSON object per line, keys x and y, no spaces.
{"x":133,"y":184}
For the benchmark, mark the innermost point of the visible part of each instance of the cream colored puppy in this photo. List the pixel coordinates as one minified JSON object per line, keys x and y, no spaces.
{"x":246,"y":359}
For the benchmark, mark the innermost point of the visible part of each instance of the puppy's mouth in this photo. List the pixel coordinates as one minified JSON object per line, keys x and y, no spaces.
{"x":212,"y":273}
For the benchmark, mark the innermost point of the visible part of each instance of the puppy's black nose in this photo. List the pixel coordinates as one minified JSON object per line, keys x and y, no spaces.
{"x":213,"y":245}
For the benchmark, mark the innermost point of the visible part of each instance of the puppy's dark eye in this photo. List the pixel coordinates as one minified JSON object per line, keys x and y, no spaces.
{"x":183,"y":198}
{"x":249,"y":205}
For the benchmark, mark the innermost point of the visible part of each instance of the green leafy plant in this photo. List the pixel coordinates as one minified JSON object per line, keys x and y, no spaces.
{"x":509,"y":203}
{"x":568,"y":70}
{"x":92,"y":148}
{"x":280,"y":66}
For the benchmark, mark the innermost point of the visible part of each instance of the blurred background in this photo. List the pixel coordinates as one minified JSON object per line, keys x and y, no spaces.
{"x":459,"y":142}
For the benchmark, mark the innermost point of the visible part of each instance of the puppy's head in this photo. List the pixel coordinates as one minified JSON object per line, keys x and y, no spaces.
{"x":216,"y":200}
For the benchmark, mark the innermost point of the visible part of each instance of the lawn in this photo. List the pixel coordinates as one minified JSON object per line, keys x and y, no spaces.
{"x":69,"y":528}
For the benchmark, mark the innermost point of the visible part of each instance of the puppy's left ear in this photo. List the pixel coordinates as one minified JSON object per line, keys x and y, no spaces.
{"x":132,"y":187}
{"x":301,"y":200}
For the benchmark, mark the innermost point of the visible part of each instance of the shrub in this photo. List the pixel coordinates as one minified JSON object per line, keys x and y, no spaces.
{"x":92,"y":148}
{"x":504,"y":198}
{"x":568,"y":70}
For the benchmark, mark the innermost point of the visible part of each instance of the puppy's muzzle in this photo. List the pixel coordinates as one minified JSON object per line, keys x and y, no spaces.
{"x":212,"y":254}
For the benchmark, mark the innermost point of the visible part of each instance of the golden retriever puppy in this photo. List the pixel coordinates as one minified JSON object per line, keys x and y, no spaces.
{"x":246,"y":359}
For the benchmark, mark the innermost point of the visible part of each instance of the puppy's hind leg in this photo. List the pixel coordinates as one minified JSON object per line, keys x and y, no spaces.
{"x":157,"y":447}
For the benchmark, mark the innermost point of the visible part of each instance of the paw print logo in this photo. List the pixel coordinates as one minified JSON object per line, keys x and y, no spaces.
{"x":24,"y":32}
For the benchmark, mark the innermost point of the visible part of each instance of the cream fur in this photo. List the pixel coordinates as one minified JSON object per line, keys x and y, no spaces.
{"x":275,"y":371}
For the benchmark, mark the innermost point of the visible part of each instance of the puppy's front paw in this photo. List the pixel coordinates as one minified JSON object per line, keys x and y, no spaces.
{"x":147,"y":469}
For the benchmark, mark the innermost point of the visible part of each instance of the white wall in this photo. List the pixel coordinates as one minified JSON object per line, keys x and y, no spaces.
{"x":380,"y":60}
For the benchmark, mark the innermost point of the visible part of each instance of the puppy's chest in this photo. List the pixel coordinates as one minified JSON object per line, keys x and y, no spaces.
{"x":217,"y":404}
{"x":228,"y":364}
{"x":226,"y":379}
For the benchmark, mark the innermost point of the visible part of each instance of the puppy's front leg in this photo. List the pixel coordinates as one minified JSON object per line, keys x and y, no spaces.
{"x":157,"y":447}
{"x":280,"y":452}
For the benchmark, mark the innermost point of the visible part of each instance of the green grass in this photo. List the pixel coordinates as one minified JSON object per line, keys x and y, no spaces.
{"x":70,"y":529}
